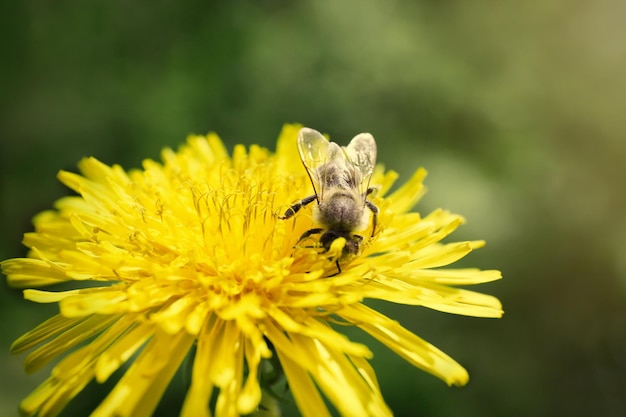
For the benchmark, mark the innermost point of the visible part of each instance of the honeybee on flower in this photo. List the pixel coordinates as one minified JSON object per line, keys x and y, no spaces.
{"x":340,"y":177}
{"x":186,"y":258}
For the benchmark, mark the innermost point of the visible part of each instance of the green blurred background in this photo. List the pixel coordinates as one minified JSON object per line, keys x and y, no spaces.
{"x":517,"y":111}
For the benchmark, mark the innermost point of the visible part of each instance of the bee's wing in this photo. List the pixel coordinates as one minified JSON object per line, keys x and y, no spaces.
{"x":315,"y":152}
{"x":361,"y":159}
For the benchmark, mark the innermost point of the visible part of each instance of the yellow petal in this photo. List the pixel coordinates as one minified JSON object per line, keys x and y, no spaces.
{"x":69,"y":339}
{"x":46,"y":330}
{"x":122,"y":347}
{"x":196,"y":402}
{"x":405,"y":197}
{"x":140,"y":389}
{"x":406,"y":344}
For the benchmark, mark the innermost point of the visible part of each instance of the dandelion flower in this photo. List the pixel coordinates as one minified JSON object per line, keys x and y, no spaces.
{"x":189,"y":257}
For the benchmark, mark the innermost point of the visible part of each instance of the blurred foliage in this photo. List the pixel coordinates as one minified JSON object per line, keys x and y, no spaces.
{"x":516,"y":109}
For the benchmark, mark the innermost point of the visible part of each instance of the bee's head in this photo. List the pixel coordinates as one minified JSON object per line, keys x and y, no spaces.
{"x":353,"y":245}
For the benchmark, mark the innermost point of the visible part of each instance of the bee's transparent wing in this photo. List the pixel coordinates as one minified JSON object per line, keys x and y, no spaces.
{"x":361,"y":159}
{"x":315,"y":152}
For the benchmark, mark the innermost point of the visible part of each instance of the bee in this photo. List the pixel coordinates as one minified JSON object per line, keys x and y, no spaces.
{"x":340,"y":176}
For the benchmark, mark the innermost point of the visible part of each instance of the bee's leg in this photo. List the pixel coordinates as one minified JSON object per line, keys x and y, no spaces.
{"x":327,"y":240}
{"x":310,"y":232}
{"x":374,"y":211}
{"x":297,"y":206}
{"x":338,"y":269}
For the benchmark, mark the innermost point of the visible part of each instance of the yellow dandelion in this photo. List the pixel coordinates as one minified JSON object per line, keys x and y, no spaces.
{"x":191,"y":255}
